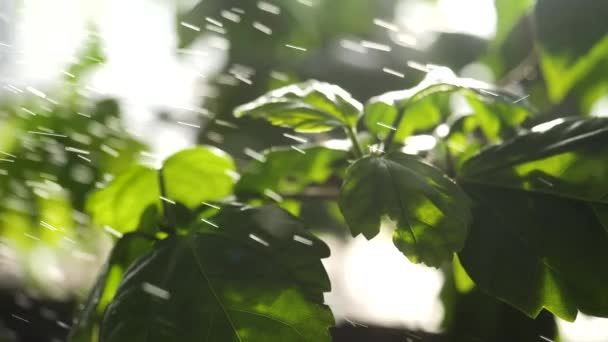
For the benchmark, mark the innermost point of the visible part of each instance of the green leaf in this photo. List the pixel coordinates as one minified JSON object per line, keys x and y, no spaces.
{"x":122,"y":202}
{"x":285,"y":170}
{"x":477,"y":314}
{"x":496,"y":119}
{"x":539,"y":227}
{"x":257,"y":277}
{"x":125,"y":252}
{"x":311,"y":106}
{"x":199,"y":174}
{"x":431,"y":212}
{"x":191,"y":177}
{"x":427,"y":104}
{"x":567,"y":58}
{"x":508,"y":13}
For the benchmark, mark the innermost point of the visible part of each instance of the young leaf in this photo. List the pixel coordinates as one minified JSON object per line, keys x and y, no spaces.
{"x":199,"y":174}
{"x":256,"y":277}
{"x":191,"y":176}
{"x":310,"y":106}
{"x":567,"y":59}
{"x":285,"y":170}
{"x":539,"y":229}
{"x":431,"y":212}
{"x":125,"y":252}
{"x":121,"y":203}
{"x":427,"y":104}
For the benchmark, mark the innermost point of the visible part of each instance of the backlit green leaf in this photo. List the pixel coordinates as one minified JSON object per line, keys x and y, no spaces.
{"x":199,"y":174}
{"x":191,"y":177}
{"x":256,"y":277}
{"x":121,"y":203}
{"x":539,"y":227}
{"x":431,"y":212}
{"x":428,"y":104}
{"x":311,"y":106}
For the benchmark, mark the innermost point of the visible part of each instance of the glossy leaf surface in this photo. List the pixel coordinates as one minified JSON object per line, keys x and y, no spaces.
{"x":310,"y":106}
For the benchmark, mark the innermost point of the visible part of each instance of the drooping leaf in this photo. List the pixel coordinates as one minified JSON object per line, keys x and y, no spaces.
{"x":311,"y":106}
{"x":130,"y":247}
{"x":427,"y":104}
{"x":476,"y":316}
{"x":431,"y":212}
{"x":286,"y":170}
{"x":191,"y":177}
{"x":256,"y":277}
{"x":539,"y":227}
{"x":568,"y":57}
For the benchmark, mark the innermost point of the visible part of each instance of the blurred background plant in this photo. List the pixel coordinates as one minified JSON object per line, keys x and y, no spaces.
{"x":89,"y":87}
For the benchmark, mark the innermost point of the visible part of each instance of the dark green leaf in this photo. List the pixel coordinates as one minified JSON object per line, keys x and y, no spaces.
{"x":431,"y":212}
{"x":427,"y":104}
{"x":285,"y":170}
{"x":256,"y":277}
{"x":191,"y":177}
{"x":476,"y":316}
{"x":310,"y":106}
{"x":539,"y":227}
{"x":568,"y":57}
{"x":125,"y":252}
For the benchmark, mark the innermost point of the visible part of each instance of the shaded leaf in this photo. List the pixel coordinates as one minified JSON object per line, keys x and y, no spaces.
{"x":427,"y":104}
{"x":430,"y":211}
{"x":567,"y":58}
{"x":258,"y":277}
{"x":311,"y":106}
{"x":538,"y":231}
{"x":476,"y":316}
{"x":125,"y":252}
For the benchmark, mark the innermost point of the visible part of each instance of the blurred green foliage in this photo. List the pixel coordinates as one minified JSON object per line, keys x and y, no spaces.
{"x":55,"y":151}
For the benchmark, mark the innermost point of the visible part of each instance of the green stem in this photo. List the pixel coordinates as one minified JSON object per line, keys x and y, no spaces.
{"x":169,"y":215}
{"x":391,"y":135}
{"x":352,"y":135}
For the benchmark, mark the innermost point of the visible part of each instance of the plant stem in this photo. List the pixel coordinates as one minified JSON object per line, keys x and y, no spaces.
{"x":391,"y":135}
{"x":450,"y":169}
{"x":169,"y":222}
{"x":352,"y":135}
{"x":327,"y":193}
